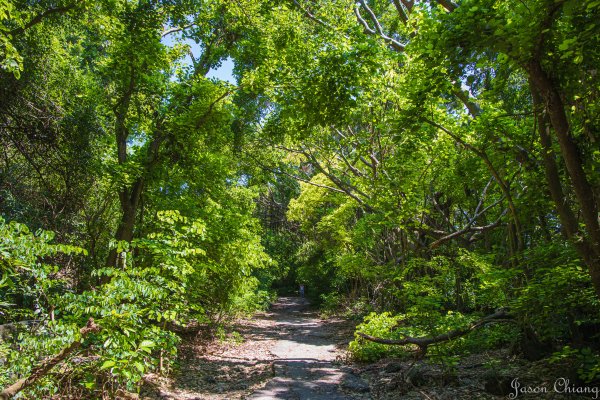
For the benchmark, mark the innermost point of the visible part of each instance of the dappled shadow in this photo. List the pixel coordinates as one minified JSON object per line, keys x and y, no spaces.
{"x":294,"y":320}
{"x":302,"y":378}
{"x":304,"y":349}
{"x":223,"y":376}
{"x":286,"y":353}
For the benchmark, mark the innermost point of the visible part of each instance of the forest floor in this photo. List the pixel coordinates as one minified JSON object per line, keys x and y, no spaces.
{"x":290,"y":353}
{"x":286,"y":353}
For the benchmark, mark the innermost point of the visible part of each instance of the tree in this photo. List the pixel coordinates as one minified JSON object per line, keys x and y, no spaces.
{"x":537,"y":38}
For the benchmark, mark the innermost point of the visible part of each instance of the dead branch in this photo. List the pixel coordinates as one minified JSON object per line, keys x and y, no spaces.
{"x":45,"y":367}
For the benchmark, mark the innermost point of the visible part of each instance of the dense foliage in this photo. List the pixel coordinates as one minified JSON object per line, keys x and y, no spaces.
{"x":417,"y":163}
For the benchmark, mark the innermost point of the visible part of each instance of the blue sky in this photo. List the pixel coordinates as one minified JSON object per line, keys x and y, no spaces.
{"x":224,"y":72}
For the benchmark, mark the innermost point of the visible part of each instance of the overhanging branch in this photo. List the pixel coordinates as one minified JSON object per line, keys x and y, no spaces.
{"x":43,"y":15}
{"x":378,"y":30}
{"x":45,"y":367}
{"x":424,"y":342}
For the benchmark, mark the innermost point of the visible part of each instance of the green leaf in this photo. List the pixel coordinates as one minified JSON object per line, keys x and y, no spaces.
{"x":139,"y":366}
{"x":566,"y":44}
{"x":146,"y":345}
{"x":107,"y":364}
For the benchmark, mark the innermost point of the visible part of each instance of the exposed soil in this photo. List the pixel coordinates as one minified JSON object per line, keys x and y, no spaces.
{"x":286,"y":353}
{"x":290,"y":353}
{"x":487,"y":375}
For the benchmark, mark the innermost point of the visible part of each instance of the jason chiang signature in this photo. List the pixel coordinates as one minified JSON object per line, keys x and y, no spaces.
{"x":561,"y":385}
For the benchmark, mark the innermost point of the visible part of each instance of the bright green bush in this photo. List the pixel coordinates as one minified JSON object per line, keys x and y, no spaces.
{"x":380,"y":325}
{"x":558,"y":296}
{"x":31,"y":279}
{"x":135,"y":303}
{"x":249,"y":298}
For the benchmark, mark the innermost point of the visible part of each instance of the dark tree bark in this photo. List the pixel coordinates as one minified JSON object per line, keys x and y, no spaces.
{"x":130,"y":200}
{"x":588,"y":244}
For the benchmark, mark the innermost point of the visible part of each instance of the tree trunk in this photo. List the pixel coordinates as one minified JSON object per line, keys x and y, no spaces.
{"x":588,"y":248}
{"x":130,"y":200}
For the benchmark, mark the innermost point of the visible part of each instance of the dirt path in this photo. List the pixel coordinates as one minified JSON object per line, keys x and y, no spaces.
{"x":287,"y":353}
{"x":290,"y":353}
{"x":305,"y":351}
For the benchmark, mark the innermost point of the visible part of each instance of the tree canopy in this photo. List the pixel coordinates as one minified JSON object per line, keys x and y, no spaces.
{"x":422,"y":163}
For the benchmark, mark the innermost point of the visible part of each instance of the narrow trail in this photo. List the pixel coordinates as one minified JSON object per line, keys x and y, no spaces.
{"x":286,"y":353}
{"x":304,"y":351}
{"x":289,"y":353}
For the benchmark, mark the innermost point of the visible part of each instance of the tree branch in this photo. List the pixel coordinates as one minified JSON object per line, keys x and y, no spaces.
{"x":311,"y":15}
{"x":473,"y":107}
{"x":363,"y":22}
{"x":346,"y":188}
{"x":176,"y":29}
{"x":208,"y":111}
{"x":424,"y":342}
{"x":448,"y":5}
{"x":40,"y":17}
{"x":408,"y":4}
{"x":352,"y":168}
{"x":469,"y":228}
{"x":280,"y":172}
{"x":41,"y":370}
{"x":486,"y":160}
{"x":401,"y":13}
{"x":378,"y":29}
